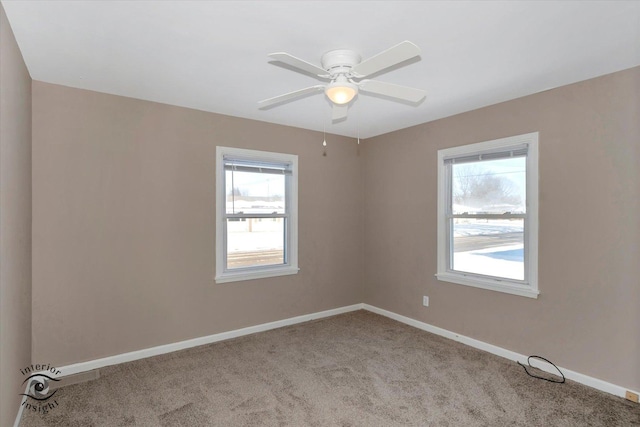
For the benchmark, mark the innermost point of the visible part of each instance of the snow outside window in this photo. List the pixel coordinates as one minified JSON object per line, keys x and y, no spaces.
{"x":256,"y":196}
{"x":488,"y":215}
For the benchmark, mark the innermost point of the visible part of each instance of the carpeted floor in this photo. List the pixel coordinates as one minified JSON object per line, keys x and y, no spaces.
{"x":355,"y":369}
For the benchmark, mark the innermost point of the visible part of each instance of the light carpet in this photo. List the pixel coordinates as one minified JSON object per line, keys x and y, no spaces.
{"x":355,"y":369}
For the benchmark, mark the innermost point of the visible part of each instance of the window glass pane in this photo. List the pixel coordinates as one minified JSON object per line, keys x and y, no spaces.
{"x":250,"y":193}
{"x":490,"y":186}
{"x":489,"y":247}
{"x":255,"y":241}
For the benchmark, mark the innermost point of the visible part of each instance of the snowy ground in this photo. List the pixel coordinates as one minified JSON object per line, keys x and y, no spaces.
{"x":265,"y":234}
{"x":502,"y":261}
{"x":493,"y":249}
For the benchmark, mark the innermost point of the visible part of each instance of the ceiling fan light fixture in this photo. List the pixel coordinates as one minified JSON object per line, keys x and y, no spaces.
{"x":341,"y":92}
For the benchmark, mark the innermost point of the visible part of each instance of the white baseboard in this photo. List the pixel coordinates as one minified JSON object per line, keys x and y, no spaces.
{"x":502,"y":352}
{"x":181,"y":345}
{"x":21,"y":409}
{"x":168,"y":348}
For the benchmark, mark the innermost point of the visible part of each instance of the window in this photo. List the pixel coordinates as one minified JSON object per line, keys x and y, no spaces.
{"x":256,"y":214}
{"x":488,"y":215}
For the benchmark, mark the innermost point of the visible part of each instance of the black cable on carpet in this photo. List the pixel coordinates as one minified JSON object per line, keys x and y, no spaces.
{"x":551,"y":380}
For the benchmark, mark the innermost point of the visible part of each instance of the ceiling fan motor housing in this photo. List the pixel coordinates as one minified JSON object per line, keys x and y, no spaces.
{"x":340,"y":61}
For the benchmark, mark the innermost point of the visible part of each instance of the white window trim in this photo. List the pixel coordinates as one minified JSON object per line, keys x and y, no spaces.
{"x":530,"y":286}
{"x":291,"y":267}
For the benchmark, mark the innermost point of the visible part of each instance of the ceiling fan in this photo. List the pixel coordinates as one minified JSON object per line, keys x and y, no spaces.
{"x":345,"y":72}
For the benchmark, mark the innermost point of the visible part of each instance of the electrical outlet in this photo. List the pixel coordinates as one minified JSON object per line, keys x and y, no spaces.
{"x":425,"y":301}
{"x":631,"y":396}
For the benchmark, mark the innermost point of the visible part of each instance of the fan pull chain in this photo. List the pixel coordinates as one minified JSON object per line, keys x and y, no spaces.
{"x":324,"y":134}
{"x":358,"y":125}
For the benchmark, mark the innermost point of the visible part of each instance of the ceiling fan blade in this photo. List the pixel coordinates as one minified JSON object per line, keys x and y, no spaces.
{"x":388,"y":58}
{"x":299,"y":64}
{"x":403,"y":93}
{"x":339,"y":112}
{"x":265,"y":103}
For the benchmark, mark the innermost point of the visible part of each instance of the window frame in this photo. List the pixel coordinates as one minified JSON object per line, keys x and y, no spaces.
{"x":529,"y":286}
{"x":223,"y":275}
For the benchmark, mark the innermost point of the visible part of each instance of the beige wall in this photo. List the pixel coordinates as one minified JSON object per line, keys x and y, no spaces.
{"x":123,"y":229}
{"x":587,"y":316}
{"x":15,"y":222}
{"x":124,"y":225}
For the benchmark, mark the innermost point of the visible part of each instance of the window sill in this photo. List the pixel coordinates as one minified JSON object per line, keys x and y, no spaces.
{"x":492,"y":285}
{"x":259,"y":274}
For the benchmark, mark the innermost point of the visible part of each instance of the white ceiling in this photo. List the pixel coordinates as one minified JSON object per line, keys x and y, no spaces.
{"x":212,"y":56}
